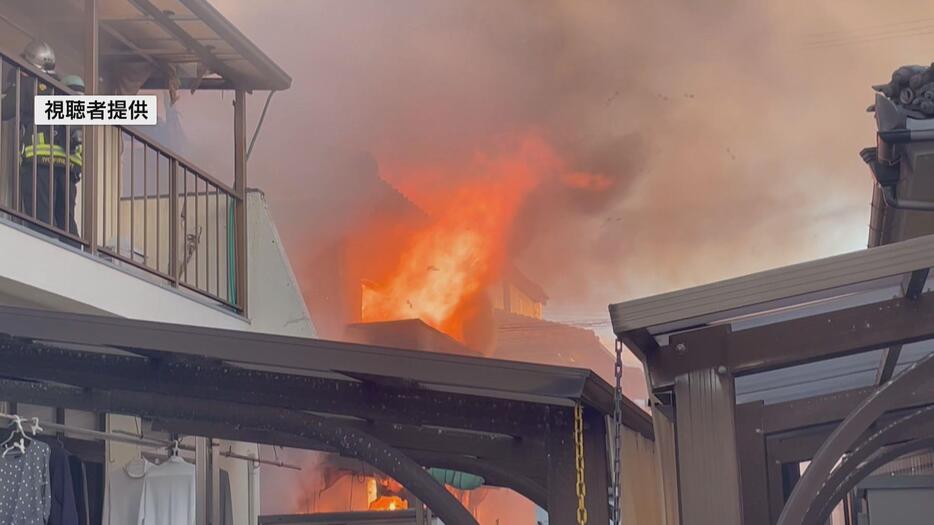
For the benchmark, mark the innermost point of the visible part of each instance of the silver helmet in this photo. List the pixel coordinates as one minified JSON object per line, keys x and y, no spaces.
{"x":41,"y":55}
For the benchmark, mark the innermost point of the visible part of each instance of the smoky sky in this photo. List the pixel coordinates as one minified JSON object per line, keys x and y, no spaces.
{"x":730,"y":129}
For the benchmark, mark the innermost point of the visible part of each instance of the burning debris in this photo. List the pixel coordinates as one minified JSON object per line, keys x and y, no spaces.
{"x":912,"y":89}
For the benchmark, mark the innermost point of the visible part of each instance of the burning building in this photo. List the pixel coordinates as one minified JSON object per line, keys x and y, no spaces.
{"x":428,"y":267}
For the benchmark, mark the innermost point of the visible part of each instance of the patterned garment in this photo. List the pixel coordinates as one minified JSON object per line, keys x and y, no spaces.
{"x":25,"y":495}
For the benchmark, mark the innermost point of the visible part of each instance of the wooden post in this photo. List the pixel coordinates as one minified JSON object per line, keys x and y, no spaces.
{"x":707,"y":465}
{"x":240,"y":178}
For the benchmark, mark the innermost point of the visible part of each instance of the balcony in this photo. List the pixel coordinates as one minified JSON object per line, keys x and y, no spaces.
{"x":131,"y":202}
{"x":141,"y":206}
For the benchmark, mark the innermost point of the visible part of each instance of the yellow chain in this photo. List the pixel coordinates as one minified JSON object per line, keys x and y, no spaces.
{"x":579,"y":459}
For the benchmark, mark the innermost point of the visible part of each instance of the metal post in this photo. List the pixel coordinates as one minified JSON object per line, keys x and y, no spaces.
{"x":251,"y":468}
{"x":173,"y":221}
{"x":562,"y":478}
{"x":20,"y":204}
{"x":89,"y":164}
{"x":204,"y":470}
{"x":751,"y":451}
{"x":596,"y":467}
{"x":240,"y":260}
{"x":215,"y":486}
{"x":707,"y":465}
{"x":419,"y":511}
{"x":240,"y":178}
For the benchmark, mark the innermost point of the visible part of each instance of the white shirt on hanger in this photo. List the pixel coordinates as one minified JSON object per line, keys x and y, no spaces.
{"x":168,"y":494}
{"x":124,"y":490}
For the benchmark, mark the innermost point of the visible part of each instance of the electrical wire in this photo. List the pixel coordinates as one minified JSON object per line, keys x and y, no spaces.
{"x":913,"y":21}
{"x":870,"y":38}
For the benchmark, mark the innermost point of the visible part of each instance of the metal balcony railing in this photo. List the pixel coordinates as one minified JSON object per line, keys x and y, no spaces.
{"x":151,"y":210}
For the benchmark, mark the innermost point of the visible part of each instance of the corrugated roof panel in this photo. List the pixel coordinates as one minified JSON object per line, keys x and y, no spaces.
{"x":820,"y":279}
{"x":913,"y":352}
{"x":812,"y":379}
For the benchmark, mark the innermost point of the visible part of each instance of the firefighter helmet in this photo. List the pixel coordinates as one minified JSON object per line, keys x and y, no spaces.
{"x":74,"y":82}
{"x":41,"y":55}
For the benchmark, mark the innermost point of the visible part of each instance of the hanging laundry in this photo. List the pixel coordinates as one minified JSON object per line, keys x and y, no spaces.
{"x":124,"y":491}
{"x":226,"y":505}
{"x":64,"y":510}
{"x":25,"y":495}
{"x":94,"y":475}
{"x":80,"y":488}
{"x":168,"y":494}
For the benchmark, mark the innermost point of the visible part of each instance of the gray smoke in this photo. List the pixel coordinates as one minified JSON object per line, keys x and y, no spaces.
{"x":730,"y":129}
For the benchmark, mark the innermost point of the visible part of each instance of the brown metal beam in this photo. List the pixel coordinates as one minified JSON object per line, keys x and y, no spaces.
{"x":487,"y":379}
{"x":864,"y":469}
{"x":704,"y":407}
{"x":596,"y":467}
{"x":206,"y":379}
{"x":776,"y":489}
{"x":847,"y":433}
{"x":494,"y":473}
{"x":797,"y":341}
{"x":912,"y":288}
{"x":521,"y":456}
{"x":347,"y":441}
{"x":562,"y":479}
{"x":833,"y":408}
{"x":801,"y":445}
{"x":753,"y":463}
{"x":921,"y":420}
{"x":887,"y":363}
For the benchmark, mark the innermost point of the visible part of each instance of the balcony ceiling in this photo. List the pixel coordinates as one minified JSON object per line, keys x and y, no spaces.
{"x":190,"y":35}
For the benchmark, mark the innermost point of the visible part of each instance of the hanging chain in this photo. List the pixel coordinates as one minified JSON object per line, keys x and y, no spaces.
{"x":617,"y":432}
{"x":579,"y":459}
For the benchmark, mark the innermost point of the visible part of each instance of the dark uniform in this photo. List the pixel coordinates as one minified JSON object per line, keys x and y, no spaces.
{"x":45,"y":145}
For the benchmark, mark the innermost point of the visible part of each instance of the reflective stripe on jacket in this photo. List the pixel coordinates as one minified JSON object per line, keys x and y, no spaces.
{"x":45,"y":151}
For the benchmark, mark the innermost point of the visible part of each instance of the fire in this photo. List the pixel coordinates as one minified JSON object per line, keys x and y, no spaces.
{"x":389,"y":503}
{"x":587,"y":181}
{"x":446,"y":267}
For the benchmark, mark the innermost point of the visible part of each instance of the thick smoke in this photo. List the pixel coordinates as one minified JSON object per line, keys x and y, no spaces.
{"x":728,"y":131}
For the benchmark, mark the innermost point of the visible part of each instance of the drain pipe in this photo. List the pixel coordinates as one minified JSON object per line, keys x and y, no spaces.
{"x":888,"y":193}
{"x":900,"y":136}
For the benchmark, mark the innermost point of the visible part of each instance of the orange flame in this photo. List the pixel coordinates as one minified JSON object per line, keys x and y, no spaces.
{"x":446,"y":266}
{"x":587,"y":181}
{"x":389,"y":503}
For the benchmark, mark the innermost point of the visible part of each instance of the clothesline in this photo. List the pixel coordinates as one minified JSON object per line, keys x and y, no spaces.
{"x":135,"y":440}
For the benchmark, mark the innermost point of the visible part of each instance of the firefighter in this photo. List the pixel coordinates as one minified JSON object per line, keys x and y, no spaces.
{"x":43,"y":147}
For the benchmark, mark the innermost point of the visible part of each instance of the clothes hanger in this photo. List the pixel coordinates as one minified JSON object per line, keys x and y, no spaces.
{"x":173,"y":451}
{"x":9,"y":444}
{"x":136,"y":467}
{"x":18,"y":430}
